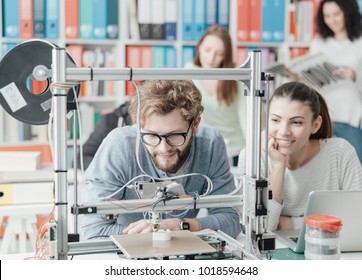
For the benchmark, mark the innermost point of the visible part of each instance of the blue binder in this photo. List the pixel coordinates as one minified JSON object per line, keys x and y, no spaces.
{"x":211,"y":12}
{"x":52,"y":19}
{"x":85,"y":19}
{"x":38,"y":18}
{"x":170,"y":57}
{"x":223,"y":13}
{"x":272,"y":29}
{"x":11,"y":18}
{"x":112,"y":19}
{"x":158,"y":57}
{"x":99,"y":19}
{"x":188,"y":53}
{"x":200,"y":19}
{"x":170,"y":26}
{"x":187,"y":20}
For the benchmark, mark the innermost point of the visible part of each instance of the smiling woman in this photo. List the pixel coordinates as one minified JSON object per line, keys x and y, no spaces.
{"x":302,"y":155}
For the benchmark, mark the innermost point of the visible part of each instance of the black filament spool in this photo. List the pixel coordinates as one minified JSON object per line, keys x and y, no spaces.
{"x":15,"y":69}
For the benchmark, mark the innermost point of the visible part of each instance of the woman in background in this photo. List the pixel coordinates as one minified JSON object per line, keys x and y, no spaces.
{"x":339,"y":39}
{"x":302,"y":155}
{"x":223,"y":101}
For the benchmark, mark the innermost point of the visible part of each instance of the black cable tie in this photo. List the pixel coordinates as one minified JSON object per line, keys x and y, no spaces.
{"x":60,"y":203}
{"x":91,"y":72}
{"x":130,"y":74}
{"x":194,"y":202}
{"x":60,"y":171}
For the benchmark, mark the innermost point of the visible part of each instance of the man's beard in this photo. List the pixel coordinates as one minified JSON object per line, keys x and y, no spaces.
{"x":177,"y":161}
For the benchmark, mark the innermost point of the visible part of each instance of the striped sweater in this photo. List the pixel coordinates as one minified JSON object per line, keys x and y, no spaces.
{"x":335,"y":167}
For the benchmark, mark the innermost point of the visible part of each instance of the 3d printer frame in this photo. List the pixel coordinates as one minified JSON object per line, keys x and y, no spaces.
{"x":255,"y":187}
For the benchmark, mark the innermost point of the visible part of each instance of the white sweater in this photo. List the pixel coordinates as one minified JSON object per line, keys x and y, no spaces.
{"x":335,"y":167}
{"x":345,"y":104}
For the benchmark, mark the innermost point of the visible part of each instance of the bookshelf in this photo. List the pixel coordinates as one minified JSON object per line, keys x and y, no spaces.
{"x":139,"y":43}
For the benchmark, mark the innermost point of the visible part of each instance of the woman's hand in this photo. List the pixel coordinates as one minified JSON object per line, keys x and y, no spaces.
{"x":275,"y":156}
{"x":276,"y":176}
{"x":285,"y":223}
{"x":345,"y":72}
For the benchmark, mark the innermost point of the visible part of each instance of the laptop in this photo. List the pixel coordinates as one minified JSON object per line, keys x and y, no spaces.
{"x":346,"y":205}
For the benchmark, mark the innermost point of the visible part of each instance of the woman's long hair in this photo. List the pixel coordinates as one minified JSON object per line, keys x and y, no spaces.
{"x":226,"y":90}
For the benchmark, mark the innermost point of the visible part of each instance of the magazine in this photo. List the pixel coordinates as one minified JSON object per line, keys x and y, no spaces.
{"x":313,"y":69}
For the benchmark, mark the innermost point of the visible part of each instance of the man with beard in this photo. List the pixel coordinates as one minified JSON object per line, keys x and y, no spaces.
{"x":167,"y":141}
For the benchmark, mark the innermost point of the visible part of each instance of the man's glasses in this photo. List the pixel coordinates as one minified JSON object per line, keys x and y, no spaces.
{"x":173,"y":139}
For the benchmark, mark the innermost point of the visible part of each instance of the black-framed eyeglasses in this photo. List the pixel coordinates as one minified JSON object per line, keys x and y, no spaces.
{"x":173,"y":139}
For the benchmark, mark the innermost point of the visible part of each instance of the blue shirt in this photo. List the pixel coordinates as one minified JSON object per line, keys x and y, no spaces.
{"x":115,"y":164}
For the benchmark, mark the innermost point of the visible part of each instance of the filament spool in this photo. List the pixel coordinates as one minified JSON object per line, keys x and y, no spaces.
{"x":15,"y":69}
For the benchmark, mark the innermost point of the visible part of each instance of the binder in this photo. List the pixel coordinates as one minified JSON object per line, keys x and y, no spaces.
{"x":133,"y":59}
{"x":187,"y":20}
{"x":99,"y":19}
{"x":273,"y":21}
{"x":158,"y":57}
{"x":223,"y":13}
{"x":267,"y":27}
{"x":243,"y":14}
{"x":38,"y":17}
{"x":131,"y":21}
{"x":144,"y":18}
{"x":279,"y":14}
{"x":76,"y":52}
{"x":137,"y":57}
{"x":11,"y":18}
{"x":255,"y":21}
{"x":71,"y":19}
{"x":292,"y":36}
{"x":170,"y":57}
{"x":52,"y":19}
{"x":211,"y":12}
{"x":157,"y":19}
{"x":170,"y":27}
{"x":112,"y":19}
{"x":200,"y":19}
{"x":146,"y":57}
{"x":188,"y":53}
{"x":85,"y":19}
{"x":26,"y":18}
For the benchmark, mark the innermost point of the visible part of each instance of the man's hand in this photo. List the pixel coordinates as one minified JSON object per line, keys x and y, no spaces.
{"x":140,"y":226}
{"x":143,"y":226}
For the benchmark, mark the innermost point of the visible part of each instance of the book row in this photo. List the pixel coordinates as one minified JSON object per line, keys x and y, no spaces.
{"x":96,"y":19}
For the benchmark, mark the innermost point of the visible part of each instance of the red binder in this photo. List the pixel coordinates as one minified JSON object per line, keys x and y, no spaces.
{"x":26,"y":18}
{"x":71,"y":19}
